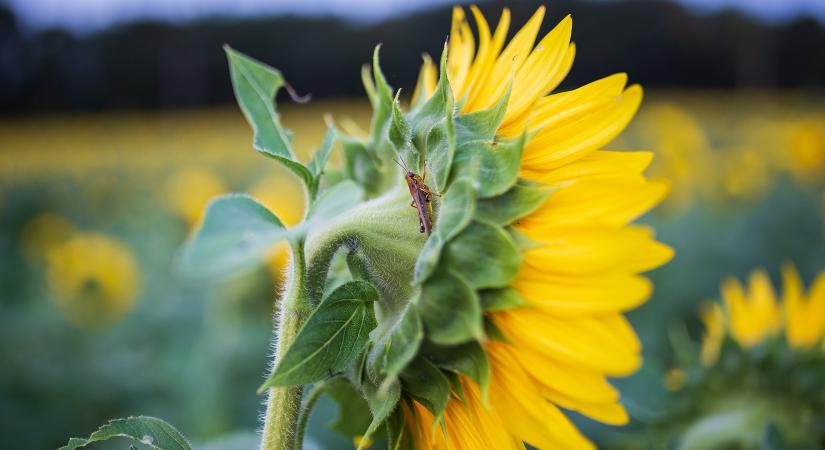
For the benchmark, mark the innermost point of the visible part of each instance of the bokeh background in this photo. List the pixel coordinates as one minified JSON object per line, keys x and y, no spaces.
{"x":118,"y":124}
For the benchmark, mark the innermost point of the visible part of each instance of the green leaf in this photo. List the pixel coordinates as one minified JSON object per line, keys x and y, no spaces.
{"x":150,"y":431}
{"x":468,"y":359}
{"x":425,"y":383}
{"x":483,"y":124}
{"x":450,"y":309}
{"x":492,"y":165}
{"x":332,"y":337}
{"x":334,"y":201}
{"x":453,"y":216}
{"x":518,"y":202}
{"x":353,"y":412}
{"x":320,"y":158}
{"x":395,"y":343}
{"x":236,"y":232}
{"x":500,"y":299}
{"x":382,"y":402}
{"x":484,"y":255}
{"x":255,"y":85}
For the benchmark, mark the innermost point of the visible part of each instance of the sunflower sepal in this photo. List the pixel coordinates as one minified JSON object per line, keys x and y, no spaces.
{"x":483,"y":124}
{"x":450,"y":309}
{"x":517,"y":202}
{"x":471,"y":254}
{"x":433,"y":130}
{"x":492,"y":165}
{"x":454,"y":214}
{"x":426,"y":383}
{"x":468,"y":359}
{"x":382,"y":401}
{"x":501,"y":299}
{"x":395,"y":343}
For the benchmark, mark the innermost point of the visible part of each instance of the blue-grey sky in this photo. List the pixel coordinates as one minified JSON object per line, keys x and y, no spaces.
{"x":89,"y":15}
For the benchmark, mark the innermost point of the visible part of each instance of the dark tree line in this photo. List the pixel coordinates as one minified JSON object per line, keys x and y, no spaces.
{"x":158,"y":65}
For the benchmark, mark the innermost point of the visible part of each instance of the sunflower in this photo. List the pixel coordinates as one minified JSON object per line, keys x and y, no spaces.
{"x":753,"y":315}
{"x":583,"y":271}
{"x":93,"y":279}
{"x":189,"y":190}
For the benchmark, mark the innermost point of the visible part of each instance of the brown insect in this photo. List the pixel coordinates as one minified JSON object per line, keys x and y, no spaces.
{"x":421,"y":198}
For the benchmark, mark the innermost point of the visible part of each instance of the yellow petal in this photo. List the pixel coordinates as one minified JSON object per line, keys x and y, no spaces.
{"x":543,"y":62}
{"x":564,"y":108}
{"x":714,"y":321}
{"x":596,"y":250}
{"x":486,"y":56}
{"x":554,"y":146}
{"x":523,"y":408}
{"x":573,"y":381}
{"x":612,"y":413}
{"x":599,"y":164}
{"x":578,"y":296}
{"x":427,"y":80}
{"x":613,"y":202}
{"x":603,"y":343}
{"x":509,"y":61}
{"x":461,"y":49}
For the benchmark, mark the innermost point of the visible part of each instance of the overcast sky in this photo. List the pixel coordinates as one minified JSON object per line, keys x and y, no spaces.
{"x":89,"y":15}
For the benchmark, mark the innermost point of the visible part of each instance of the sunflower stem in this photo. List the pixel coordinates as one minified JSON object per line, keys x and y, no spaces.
{"x":282,"y":408}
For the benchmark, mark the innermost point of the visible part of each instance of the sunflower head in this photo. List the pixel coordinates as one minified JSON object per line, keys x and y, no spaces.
{"x":93,"y":279}
{"x":189,"y":190}
{"x":519,"y":291}
{"x":762,"y":371}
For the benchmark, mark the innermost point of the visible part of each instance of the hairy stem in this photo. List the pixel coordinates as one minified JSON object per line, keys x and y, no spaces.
{"x":283,"y":403}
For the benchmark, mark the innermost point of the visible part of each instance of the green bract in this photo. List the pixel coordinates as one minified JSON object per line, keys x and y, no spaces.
{"x":409,"y":318}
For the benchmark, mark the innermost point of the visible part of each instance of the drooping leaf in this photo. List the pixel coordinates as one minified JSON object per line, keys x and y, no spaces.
{"x":395,"y":344}
{"x":450,"y":309}
{"x":484,"y":255}
{"x":255,"y":85}
{"x":467,"y":359}
{"x":332,"y":337}
{"x":382,"y":402}
{"x":353,"y":412}
{"x":492,"y":165}
{"x":518,"y":202}
{"x":500,"y":299}
{"x":236,"y":232}
{"x":150,"y":431}
{"x":455,"y":214}
{"x":425,"y":383}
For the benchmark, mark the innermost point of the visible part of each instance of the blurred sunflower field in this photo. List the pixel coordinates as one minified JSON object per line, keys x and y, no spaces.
{"x":103,"y":205}
{"x":94,"y":207}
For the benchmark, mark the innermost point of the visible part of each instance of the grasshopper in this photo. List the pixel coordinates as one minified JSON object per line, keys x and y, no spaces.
{"x":421,"y":197}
